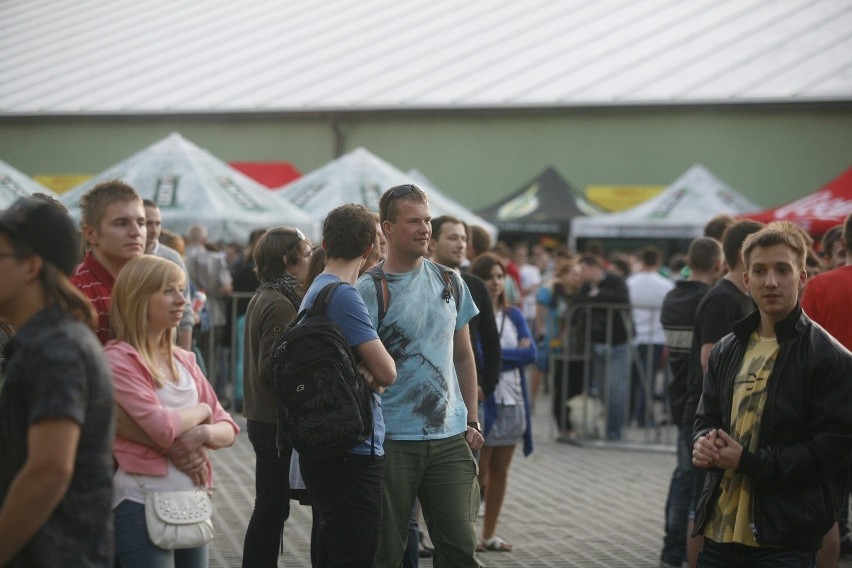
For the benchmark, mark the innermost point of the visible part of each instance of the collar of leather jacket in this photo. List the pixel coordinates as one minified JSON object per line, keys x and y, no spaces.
{"x":786,"y":329}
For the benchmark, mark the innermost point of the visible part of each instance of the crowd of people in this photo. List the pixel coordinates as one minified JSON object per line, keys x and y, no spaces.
{"x":118,"y":380}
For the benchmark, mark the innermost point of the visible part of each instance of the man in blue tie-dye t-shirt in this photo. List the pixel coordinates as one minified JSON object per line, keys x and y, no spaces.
{"x":431,"y":410}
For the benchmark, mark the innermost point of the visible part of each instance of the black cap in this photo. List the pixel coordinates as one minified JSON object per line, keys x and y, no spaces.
{"x":45,"y":228}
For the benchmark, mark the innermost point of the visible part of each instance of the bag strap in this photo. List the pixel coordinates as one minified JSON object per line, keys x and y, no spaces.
{"x":380,"y":281}
{"x":322,"y":300}
{"x":451,"y":287}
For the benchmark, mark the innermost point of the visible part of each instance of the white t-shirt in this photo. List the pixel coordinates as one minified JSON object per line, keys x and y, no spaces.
{"x":508,"y":389}
{"x":530,"y":280}
{"x":647,"y":291}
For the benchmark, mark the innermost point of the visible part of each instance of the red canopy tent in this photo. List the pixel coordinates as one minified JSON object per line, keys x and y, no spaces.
{"x":817,"y":212}
{"x":270,"y":174}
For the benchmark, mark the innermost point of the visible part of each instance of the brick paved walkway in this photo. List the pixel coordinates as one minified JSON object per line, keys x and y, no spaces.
{"x":566,"y":506}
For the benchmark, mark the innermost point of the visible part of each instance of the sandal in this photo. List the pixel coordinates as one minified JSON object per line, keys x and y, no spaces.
{"x":497,"y":544}
{"x":424,"y":550}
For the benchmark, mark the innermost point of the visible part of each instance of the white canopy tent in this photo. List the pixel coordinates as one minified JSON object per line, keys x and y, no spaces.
{"x":361,"y":177}
{"x":193,"y":187}
{"x":679,"y":212}
{"x":15,"y":184}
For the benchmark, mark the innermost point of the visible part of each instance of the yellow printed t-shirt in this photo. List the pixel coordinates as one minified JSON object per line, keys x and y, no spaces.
{"x":732,"y":515}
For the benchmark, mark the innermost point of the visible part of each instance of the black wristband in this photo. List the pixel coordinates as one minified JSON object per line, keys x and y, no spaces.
{"x":475,"y":425}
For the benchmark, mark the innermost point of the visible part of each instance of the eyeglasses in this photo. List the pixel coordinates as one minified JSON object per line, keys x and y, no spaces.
{"x":397,"y":191}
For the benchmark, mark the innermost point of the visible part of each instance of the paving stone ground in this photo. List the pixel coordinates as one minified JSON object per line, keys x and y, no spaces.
{"x":566,"y":506}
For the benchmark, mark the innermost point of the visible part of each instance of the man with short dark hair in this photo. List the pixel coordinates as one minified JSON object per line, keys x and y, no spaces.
{"x":773,"y":426}
{"x":431,"y":411}
{"x":154,"y":226}
{"x":677,"y":317}
{"x":478,"y":240}
{"x":448,"y":246}
{"x":726,"y":302}
{"x":608,"y":336}
{"x":647,"y":289}
{"x":114,"y":232}
{"x":346,"y":489}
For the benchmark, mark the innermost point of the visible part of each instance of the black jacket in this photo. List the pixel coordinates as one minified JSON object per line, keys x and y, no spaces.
{"x":678,"y":319}
{"x":805,"y":433}
{"x":612,"y":290}
{"x":484,"y":335}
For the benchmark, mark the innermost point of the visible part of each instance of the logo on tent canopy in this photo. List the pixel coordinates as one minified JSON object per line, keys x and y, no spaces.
{"x":665,"y":207}
{"x":165,"y":195}
{"x":822,"y":205}
{"x":307,"y":194}
{"x":235,"y":191}
{"x":520,"y":206}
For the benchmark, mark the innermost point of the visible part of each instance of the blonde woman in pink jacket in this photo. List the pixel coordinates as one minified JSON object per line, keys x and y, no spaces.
{"x":162,"y":389}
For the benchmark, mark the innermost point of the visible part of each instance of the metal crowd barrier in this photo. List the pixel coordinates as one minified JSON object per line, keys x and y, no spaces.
{"x":589,"y":408}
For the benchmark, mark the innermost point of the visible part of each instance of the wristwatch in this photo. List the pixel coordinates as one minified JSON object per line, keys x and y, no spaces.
{"x":475,"y":425}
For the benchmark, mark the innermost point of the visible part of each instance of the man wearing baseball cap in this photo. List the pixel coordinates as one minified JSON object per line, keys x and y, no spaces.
{"x":56,"y":400}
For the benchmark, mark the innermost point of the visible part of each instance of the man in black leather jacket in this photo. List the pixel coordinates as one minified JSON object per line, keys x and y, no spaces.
{"x":774,"y":425}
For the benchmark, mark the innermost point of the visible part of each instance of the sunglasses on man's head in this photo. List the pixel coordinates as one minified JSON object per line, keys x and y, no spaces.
{"x":398,"y":191}
{"x":401,"y":190}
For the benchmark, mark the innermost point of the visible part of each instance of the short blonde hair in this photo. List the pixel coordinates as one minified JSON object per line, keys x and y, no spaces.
{"x":140,"y":279}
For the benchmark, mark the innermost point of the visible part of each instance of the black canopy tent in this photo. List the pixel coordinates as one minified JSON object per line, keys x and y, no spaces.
{"x":541,"y":209}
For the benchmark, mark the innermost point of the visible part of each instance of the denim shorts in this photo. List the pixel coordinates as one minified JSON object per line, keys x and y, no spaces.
{"x":510,"y":426}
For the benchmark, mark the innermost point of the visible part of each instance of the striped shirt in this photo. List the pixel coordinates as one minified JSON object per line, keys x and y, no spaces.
{"x":96,"y":283}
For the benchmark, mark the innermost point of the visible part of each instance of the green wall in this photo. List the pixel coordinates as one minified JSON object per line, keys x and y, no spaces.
{"x":770,"y":154}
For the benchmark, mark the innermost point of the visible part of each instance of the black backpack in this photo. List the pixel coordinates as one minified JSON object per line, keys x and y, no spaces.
{"x":323,"y":401}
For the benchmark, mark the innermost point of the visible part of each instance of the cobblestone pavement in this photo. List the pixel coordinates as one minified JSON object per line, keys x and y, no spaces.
{"x":566,"y":506}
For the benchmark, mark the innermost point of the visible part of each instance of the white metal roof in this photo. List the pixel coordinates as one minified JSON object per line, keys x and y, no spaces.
{"x":200,"y":56}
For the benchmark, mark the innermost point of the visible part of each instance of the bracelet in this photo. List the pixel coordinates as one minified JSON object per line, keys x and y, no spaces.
{"x":475,"y":425}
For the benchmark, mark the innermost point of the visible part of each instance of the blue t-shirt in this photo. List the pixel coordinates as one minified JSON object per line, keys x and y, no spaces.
{"x":348,"y":311}
{"x":425,"y":402}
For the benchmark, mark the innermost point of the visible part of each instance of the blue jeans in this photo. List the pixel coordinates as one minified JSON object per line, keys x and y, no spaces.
{"x":135,"y":549}
{"x":642,"y":379}
{"x":443,"y":474}
{"x":732,"y":555}
{"x":238,"y":356}
{"x":678,"y":505}
{"x":272,"y":498}
{"x":610,"y":364}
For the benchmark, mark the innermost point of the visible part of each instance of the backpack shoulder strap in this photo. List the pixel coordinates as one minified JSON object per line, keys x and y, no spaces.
{"x":380,"y":281}
{"x":323,"y":299}
{"x":451,"y":286}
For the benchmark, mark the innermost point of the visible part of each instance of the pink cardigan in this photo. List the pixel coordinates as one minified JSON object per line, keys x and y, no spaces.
{"x":135,"y":393}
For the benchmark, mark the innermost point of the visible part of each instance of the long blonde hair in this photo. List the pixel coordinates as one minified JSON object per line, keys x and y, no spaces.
{"x":140,"y":279}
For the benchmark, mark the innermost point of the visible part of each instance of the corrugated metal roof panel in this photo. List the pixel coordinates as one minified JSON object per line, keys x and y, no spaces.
{"x":198,"y":56}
